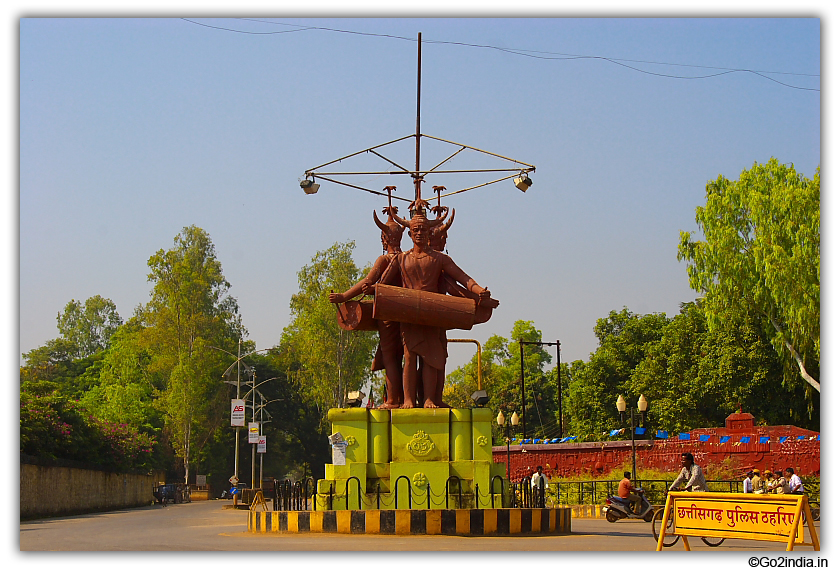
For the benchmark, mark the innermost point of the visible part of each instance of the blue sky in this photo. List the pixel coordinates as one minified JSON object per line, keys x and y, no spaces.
{"x":131,"y":129}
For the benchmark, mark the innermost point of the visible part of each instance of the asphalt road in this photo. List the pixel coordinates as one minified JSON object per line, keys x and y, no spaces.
{"x":207,"y":526}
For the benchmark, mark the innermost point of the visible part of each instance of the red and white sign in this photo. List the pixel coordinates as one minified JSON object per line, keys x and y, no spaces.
{"x":261,"y":444}
{"x":237,"y":413}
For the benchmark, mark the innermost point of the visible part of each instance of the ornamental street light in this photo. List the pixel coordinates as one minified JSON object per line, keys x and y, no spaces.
{"x":642,"y":405}
{"x":514,"y":421}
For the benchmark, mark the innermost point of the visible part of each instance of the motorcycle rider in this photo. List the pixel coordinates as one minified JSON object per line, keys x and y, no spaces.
{"x":628,"y":492}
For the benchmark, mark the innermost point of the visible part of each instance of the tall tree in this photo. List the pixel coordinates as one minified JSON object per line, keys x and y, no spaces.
{"x":189,"y":311}
{"x":331,"y":361}
{"x":90,"y":325}
{"x":761,"y":255}
{"x":624,"y":340}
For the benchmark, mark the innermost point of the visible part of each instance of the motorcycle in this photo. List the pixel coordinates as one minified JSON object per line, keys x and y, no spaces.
{"x":618,"y":508}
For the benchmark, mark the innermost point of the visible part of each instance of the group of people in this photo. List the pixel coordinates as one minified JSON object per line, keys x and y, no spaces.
{"x":691,"y":478}
{"x":787,"y":482}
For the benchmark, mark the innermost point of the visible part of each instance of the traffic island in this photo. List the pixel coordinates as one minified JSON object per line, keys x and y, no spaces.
{"x":453,"y":522}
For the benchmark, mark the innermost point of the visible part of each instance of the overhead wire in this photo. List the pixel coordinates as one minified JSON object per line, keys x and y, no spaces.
{"x":546,"y":55}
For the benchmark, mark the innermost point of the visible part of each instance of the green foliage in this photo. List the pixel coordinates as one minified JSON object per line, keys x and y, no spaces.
{"x":761,"y":255}
{"x":695,"y":377}
{"x":189,"y":312}
{"x":53,"y":426}
{"x":594,"y":386}
{"x":327,"y":360}
{"x":90,"y":326}
{"x":501,"y":367}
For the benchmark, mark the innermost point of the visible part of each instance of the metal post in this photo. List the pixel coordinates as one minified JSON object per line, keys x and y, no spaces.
{"x":507,"y":439}
{"x":522,"y":378}
{"x":559,"y":390}
{"x":633,"y":442}
{"x":417,"y":135}
{"x":253,"y":419}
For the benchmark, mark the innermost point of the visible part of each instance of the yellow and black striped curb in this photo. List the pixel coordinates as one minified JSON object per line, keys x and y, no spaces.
{"x":463,"y":522}
{"x":587,"y":511}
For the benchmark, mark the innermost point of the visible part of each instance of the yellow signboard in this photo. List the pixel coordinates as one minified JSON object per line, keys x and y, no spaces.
{"x":778,"y":518}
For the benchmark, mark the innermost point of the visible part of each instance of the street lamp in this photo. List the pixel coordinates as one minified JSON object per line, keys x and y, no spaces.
{"x":642,"y":405}
{"x":514,"y":421}
{"x":238,"y":363}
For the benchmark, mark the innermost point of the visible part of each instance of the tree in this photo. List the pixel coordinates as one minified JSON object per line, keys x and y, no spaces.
{"x":624,"y":339}
{"x":331,"y":361}
{"x":761,"y":255}
{"x":502,"y":379}
{"x":89,"y":326}
{"x":189,"y":311}
{"x":696,"y":377}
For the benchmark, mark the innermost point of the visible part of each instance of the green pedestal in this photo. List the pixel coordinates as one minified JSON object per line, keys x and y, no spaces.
{"x":424,"y":452}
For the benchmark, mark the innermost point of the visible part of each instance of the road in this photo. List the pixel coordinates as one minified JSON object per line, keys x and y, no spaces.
{"x":207,"y":526}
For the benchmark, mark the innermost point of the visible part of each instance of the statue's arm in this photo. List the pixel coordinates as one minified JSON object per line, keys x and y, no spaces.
{"x":365,"y":283}
{"x":451,"y":268}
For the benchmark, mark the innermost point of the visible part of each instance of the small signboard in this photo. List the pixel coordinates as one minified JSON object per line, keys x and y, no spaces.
{"x":253,"y":432}
{"x":234,"y":480}
{"x":237,"y":413}
{"x":201,"y":480}
{"x":339,"y":449}
{"x":261,"y":444}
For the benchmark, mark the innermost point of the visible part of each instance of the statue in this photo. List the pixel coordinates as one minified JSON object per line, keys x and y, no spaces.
{"x":389,"y":352}
{"x":426,"y":270}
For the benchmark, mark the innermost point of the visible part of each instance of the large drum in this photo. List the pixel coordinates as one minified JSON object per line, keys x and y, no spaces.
{"x":422,"y":308}
{"x":356,"y":315}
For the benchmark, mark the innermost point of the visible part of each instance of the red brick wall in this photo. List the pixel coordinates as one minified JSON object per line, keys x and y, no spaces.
{"x":574,"y":459}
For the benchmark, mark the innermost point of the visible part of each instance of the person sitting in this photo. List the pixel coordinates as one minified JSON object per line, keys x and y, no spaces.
{"x":628,"y":492}
{"x":691,"y":474}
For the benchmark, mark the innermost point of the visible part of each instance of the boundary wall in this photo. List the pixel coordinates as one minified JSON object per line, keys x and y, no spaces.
{"x":53,"y":490}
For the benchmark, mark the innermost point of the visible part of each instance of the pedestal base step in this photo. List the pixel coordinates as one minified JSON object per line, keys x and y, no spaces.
{"x":462,"y":522}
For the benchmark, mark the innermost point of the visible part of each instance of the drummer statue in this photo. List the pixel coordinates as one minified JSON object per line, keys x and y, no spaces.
{"x":423,"y":269}
{"x":420,"y":347}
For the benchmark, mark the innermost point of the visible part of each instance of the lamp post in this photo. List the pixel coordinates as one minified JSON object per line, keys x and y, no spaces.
{"x":238,"y":364}
{"x":522,"y":344}
{"x":514,"y":421}
{"x":253,"y":392}
{"x":642,"y":405}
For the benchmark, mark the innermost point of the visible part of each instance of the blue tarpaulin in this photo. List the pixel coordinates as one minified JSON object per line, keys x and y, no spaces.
{"x":662,"y":434}
{"x":685,"y":436}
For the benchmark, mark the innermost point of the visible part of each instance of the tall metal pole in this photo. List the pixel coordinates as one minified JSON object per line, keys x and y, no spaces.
{"x":236,"y":451}
{"x":262,"y":407}
{"x":417,"y":130}
{"x":633,"y":442}
{"x":559,"y":390}
{"x":522,"y":379}
{"x":253,"y":419}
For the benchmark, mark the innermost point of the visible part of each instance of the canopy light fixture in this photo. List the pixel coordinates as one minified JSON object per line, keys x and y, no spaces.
{"x":523,"y":182}
{"x":309,"y":186}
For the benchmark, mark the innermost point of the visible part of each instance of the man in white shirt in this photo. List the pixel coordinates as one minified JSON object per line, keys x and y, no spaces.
{"x":691,"y":474}
{"x":794,"y":482}
{"x":748,"y":485}
{"x":537,"y":489}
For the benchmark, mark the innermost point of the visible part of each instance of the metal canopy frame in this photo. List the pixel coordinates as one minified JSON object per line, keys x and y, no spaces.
{"x":316,"y":172}
{"x":416,"y":173}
